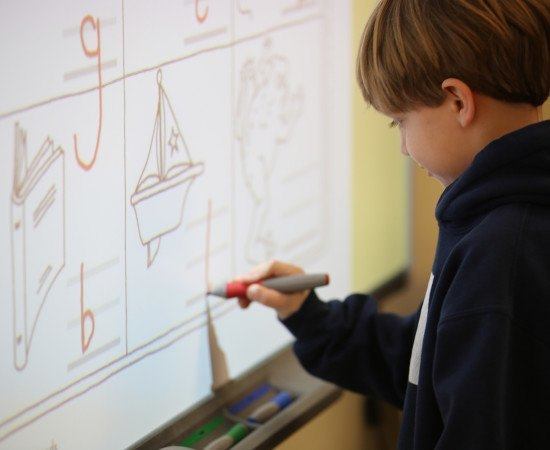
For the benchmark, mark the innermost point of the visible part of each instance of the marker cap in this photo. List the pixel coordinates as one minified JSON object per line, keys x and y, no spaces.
{"x":282,"y":399}
{"x":238,"y":432}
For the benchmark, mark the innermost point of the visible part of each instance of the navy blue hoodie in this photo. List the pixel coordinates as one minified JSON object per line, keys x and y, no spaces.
{"x":471,"y":368}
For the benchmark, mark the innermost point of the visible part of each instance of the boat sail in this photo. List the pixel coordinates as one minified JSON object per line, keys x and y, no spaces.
{"x":160,"y":194}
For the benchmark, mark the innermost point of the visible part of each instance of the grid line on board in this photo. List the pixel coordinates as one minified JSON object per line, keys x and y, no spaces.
{"x":290,"y":24}
{"x":110,"y":375}
{"x":105,"y":366}
{"x":174,"y":329}
{"x":125,"y":186}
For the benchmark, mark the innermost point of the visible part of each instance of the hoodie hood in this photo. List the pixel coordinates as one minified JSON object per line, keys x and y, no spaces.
{"x":512,"y":169}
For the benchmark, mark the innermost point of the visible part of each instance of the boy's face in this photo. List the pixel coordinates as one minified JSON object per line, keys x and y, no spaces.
{"x":432,"y":137}
{"x":445,"y":139}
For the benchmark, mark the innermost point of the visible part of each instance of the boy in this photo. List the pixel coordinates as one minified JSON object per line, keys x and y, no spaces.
{"x":464,"y":81}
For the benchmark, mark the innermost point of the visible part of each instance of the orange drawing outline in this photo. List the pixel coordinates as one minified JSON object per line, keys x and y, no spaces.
{"x":243,"y":9}
{"x":258,"y":162}
{"x":251,"y":37}
{"x":218,"y":360}
{"x":95,"y":53}
{"x":85,"y":314}
{"x":201,"y":17}
{"x":146,"y":197}
{"x":27,"y":177}
{"x":19,"y":416}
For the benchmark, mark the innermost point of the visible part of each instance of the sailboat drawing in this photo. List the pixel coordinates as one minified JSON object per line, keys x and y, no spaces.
{"x":162,"y":189}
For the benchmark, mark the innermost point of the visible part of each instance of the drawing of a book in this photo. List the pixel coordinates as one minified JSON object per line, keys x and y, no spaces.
{"x":159,"y":197}
{"x":37,"y":233}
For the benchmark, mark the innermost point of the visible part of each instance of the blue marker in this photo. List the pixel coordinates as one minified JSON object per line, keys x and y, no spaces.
{"x":245,"y":402}
{"x":266,"y":411}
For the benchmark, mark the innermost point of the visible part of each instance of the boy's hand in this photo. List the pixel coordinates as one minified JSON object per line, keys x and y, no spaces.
{"x":284,"y":304}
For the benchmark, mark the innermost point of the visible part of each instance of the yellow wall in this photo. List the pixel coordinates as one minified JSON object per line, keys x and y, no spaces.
{"x":380,"y":179}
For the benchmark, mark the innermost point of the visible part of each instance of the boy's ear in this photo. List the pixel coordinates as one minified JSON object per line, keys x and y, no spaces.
{"x":462,"y":100}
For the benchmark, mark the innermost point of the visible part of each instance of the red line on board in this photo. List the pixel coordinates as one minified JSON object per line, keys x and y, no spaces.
{"x":84,"y":316}
{"x":201,"y":17}
{"x":110,"y":375}
{"x":95,"y":53}
{"x":266,"y":32}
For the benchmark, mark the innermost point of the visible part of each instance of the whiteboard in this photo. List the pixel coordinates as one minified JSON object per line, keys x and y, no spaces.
{"x":149,"y":148}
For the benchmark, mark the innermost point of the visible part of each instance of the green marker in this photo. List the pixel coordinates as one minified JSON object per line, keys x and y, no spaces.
{"x":176,"y":447}
{"x":228,"y":440}
{"x":204,"y":431}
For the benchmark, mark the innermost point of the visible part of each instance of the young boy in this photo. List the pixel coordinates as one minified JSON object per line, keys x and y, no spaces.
{"x":464,"y":81}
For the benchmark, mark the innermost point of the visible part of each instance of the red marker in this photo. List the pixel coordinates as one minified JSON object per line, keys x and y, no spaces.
{"x":287,"y":285}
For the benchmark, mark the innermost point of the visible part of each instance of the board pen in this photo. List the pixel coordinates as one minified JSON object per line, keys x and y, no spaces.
{"x":266,"y":411}
{"x":234,"y":435}
{"x":286,"y":284}
{"x":176,"y":447}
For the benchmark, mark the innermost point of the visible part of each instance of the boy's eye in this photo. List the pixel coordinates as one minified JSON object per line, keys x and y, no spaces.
{"x":393,"y":124}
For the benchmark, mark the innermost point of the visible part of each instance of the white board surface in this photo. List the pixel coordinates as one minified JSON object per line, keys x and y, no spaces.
{"x":148,"y":148}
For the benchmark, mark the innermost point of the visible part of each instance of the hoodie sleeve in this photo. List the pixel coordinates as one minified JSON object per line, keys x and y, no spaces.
{"x":350,"y":344}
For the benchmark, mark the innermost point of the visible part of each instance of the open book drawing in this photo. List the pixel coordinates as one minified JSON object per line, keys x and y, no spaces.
{"x":37,"y":234}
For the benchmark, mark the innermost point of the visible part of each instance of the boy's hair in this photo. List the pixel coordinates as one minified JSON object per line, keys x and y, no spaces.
{"x":500,"y":48}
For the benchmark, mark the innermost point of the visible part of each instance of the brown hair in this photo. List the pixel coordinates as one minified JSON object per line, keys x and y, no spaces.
{"x":500,"y":48}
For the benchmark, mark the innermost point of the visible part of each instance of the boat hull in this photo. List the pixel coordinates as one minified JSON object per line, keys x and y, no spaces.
{"x":159,"y":208}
